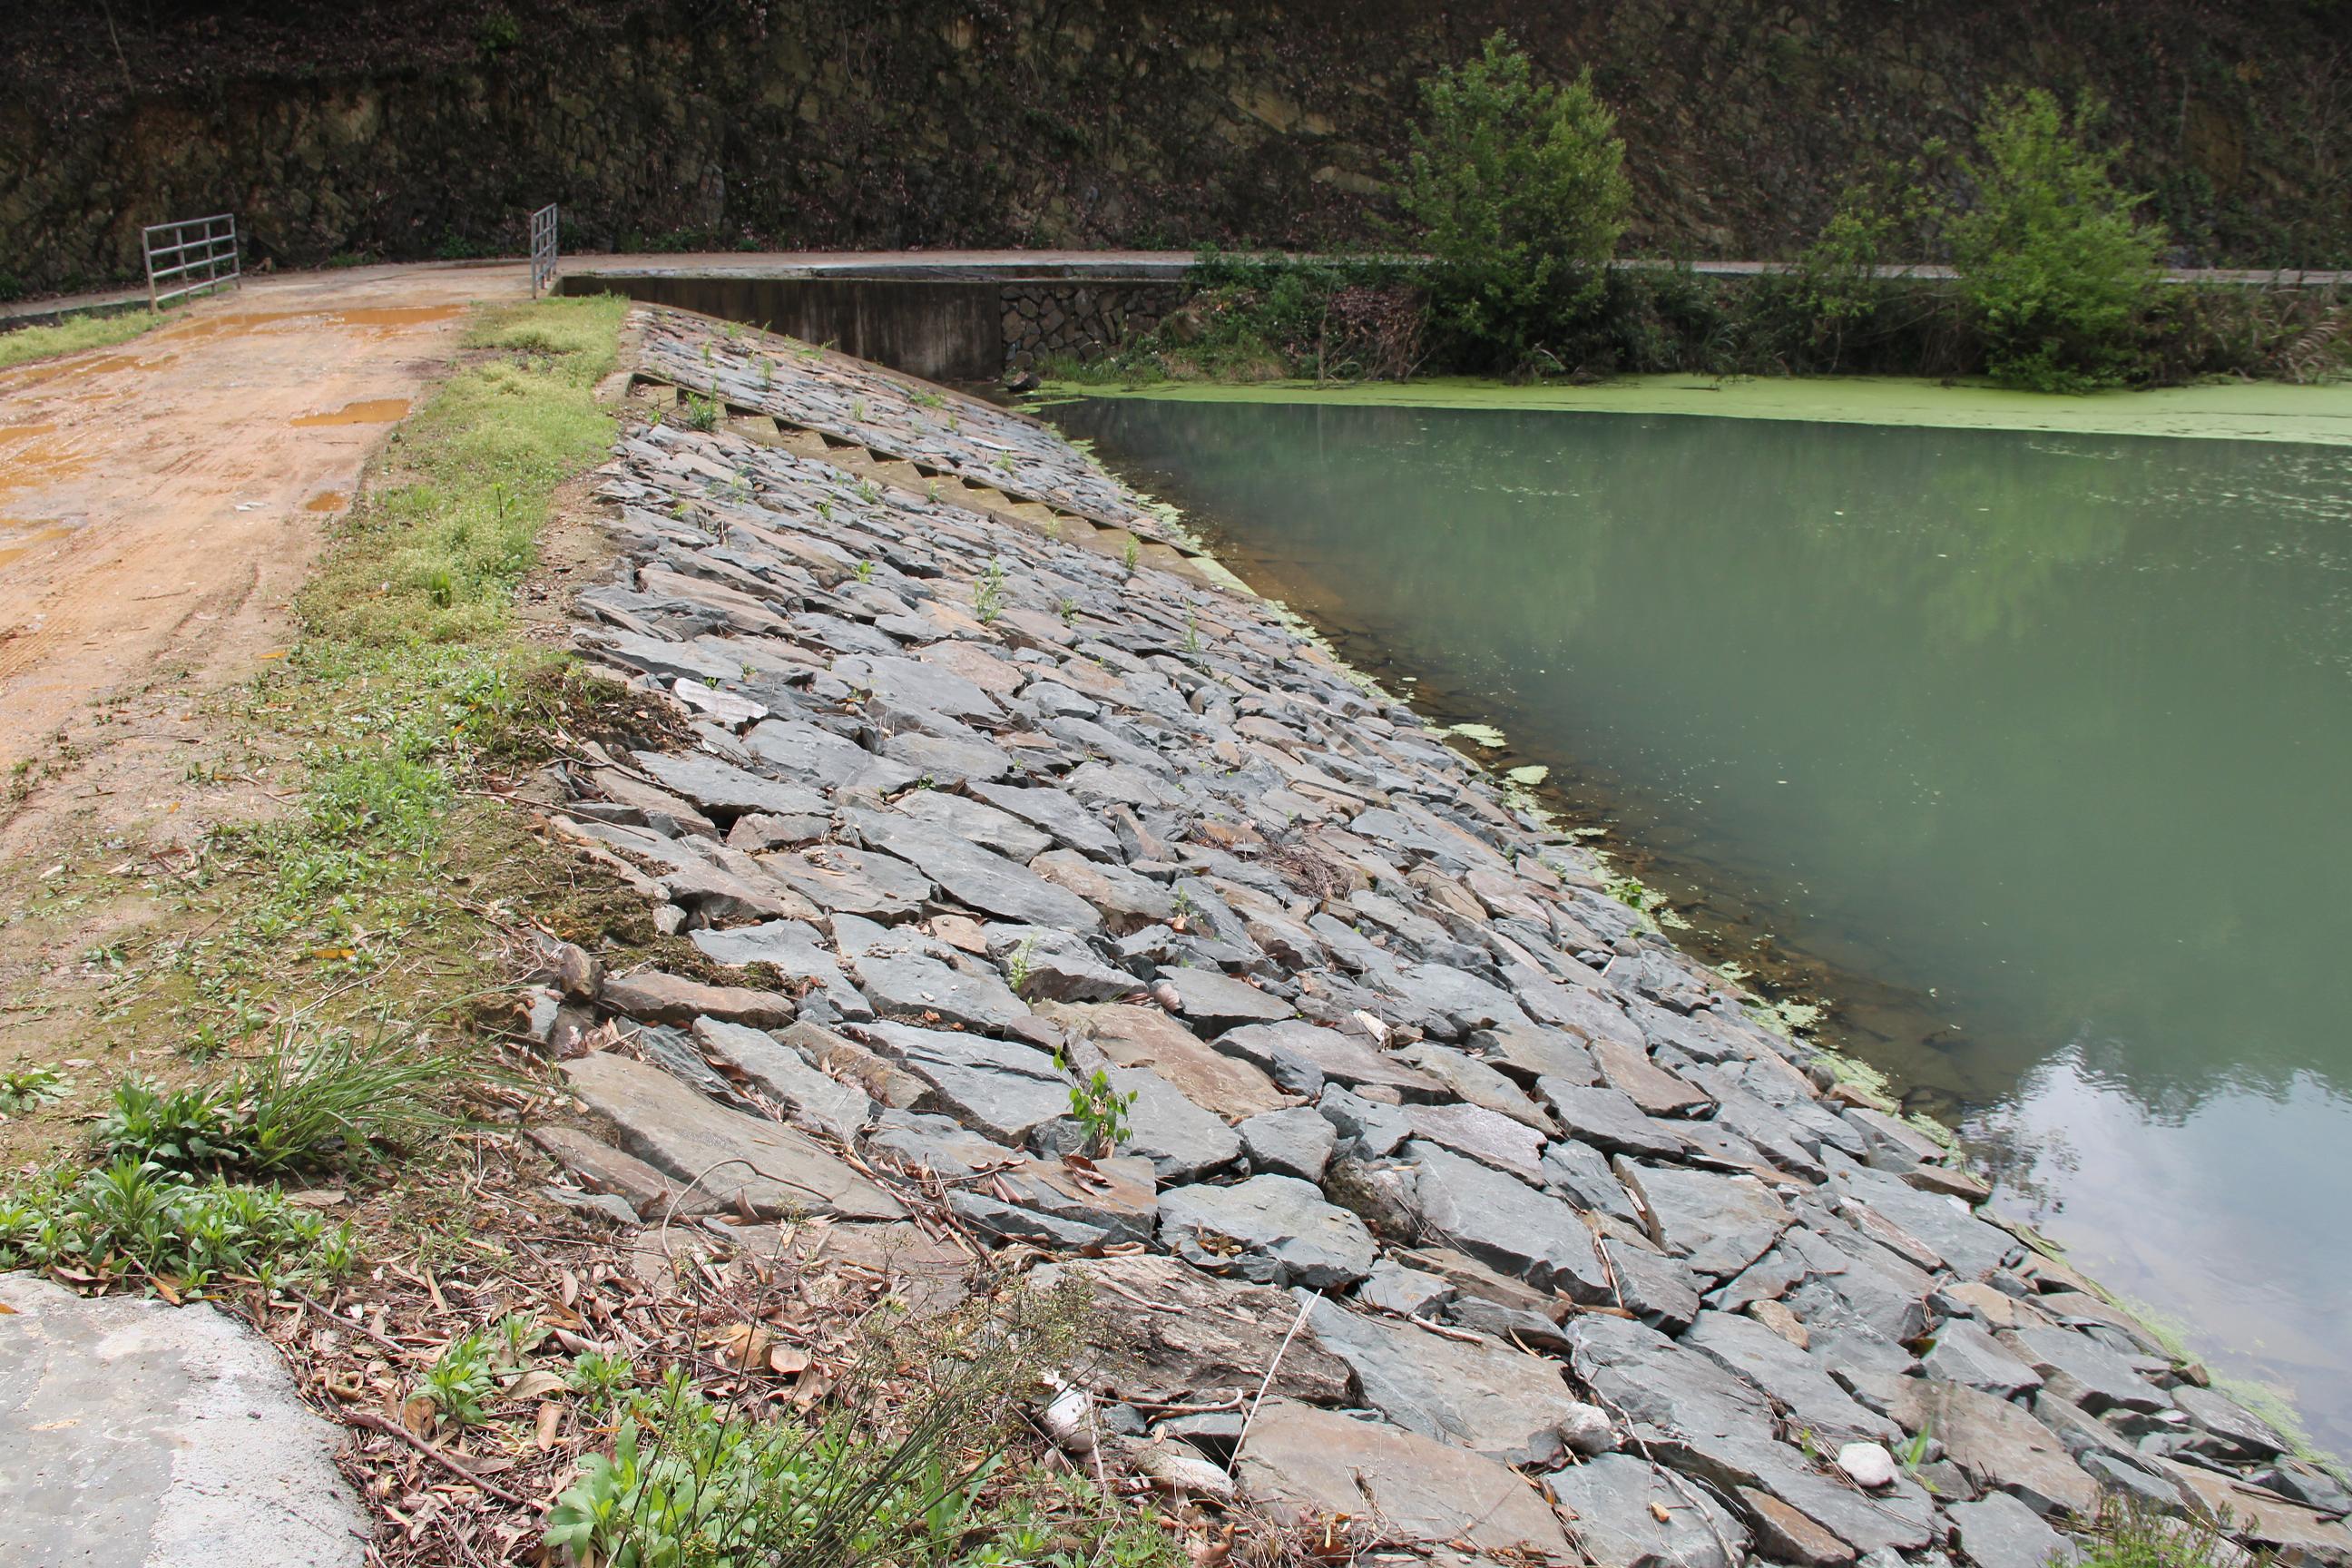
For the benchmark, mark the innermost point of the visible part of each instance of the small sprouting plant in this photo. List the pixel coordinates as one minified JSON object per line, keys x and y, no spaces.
{"x":1099,"y":1109}
{"x":1069,"y":608}
{"x":865,"y":572}
{"x":932,"y":492}
{"x":1020,"y":963}
{"x":701,"y":412}
{"x":928,"y":399}
{"x":513,"y":1338}
{"x":1191,"y":633}
{"x":1633,"y":893}
{"x":26,"y":1087}
{"x":603,"y":1378}
{"x":1131,"y":554}
{"x":461,"y":1381}
{"x":1004,"y":462}
{"x":988,"y":594}
{"x":868,"y":491}
{"x":825,"y":509}
{"x":858,"y":409}
{"x":767,"y":373}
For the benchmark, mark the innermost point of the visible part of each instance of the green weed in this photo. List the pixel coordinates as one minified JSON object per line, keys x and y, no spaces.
{"x":163,"y":1228}
{"x":28,"y":1089}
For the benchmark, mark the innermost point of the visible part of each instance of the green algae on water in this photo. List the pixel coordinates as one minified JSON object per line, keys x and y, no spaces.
{"x":2240,"y":411}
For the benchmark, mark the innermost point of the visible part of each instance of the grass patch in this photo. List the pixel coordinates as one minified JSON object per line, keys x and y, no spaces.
{"x":904,"y":1463}
{"x":434,"y":553}
{"x":73,"y":335}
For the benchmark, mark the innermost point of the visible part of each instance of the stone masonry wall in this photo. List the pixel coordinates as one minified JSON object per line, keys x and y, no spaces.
{"x":1046,"y":319}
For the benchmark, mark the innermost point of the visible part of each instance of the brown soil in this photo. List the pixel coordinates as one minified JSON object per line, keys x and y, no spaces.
{"x":160,"y":503}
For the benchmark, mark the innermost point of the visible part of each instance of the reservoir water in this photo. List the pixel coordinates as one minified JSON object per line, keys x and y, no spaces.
{"x":2031,"y":752}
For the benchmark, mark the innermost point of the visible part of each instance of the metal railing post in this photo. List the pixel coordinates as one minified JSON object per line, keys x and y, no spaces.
{"x":214,"y":251}
{"x":542,"y":249}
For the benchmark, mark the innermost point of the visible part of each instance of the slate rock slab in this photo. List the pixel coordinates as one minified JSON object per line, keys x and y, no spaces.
{"x":1718,"y":1223}
{"x":1966,"y":1354}
{"x":1003,"y":1089}
{"x":1320,"y":1463}
{"x":1296,"y":1055}
{"x":1608,"y":1120}
{"x":653,"y":997}
{"x":923,"y":990}
{"x":1165,"y":1332}
{"x":1507,"y":1223}
{"x":1614,"y":1503}
{"x":783,"y":1074}
{"x":2084,"y":1372}
{"x":742,"y":1160}
{"x":1138,"y":1037}
{"x":1803,"y":1386}
{"x":1275,"y":1230}
{"x":2001,"y":1533}
{"x":1219,"y":1001}
{"x":1182,"y":1141}
{"x":725,"y":790}
{"x":976,"y":877}
{"x":1998,"y":1445}
{"x":1482,"y":1396}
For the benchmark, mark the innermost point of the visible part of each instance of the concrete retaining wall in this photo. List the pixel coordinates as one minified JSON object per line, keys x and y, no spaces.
{"x":942,"y":329}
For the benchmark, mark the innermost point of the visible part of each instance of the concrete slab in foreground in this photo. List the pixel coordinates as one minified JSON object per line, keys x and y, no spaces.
{"x":134,"y":1435}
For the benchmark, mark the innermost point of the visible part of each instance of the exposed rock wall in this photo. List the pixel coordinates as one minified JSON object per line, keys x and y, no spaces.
{"x":419,"y":127}
{"x":980,"y":807}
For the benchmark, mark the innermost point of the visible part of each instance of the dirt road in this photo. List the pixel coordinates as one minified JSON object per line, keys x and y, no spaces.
{"x":159,"y":500}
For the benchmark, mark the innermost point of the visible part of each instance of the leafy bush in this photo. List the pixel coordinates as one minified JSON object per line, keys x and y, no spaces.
{"x":1519,"y":190}
{"x":141,"y":1220}
{"x":2050,"y":255}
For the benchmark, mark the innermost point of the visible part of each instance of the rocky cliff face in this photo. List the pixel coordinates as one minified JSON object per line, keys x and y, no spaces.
{"x":410,"y":129}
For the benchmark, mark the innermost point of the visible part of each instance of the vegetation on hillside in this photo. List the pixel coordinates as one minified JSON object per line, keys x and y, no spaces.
{"x":1518,"y":191}
{"x":2052,"y":259}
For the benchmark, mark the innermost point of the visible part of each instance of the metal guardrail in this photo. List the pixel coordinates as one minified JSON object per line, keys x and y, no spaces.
{"x":178,"y":252}
{"x":542,"y":249}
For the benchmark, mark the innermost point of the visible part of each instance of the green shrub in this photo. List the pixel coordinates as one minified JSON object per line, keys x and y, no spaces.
{"x":161,"y":1226}
{"x":2050,"y":255}
{"x":1519,"y":190}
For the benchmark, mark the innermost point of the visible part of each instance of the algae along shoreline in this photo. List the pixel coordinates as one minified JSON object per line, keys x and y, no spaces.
{"x":2234,"y":411}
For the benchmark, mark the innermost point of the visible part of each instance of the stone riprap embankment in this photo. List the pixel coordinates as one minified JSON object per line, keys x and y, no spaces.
{"x":1494,"y":1185}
